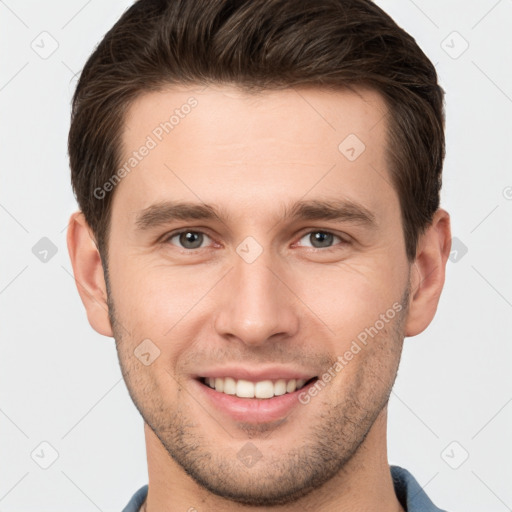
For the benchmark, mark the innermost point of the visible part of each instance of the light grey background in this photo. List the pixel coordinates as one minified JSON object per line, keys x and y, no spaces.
{"x":60,"y":380}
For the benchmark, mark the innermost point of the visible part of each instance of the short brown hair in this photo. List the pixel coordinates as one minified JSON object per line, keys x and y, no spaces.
{"x":258,"y":45}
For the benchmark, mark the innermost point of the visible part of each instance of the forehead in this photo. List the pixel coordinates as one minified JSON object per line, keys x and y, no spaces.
{"x":222,"y":145}
{"x":224,"y":114}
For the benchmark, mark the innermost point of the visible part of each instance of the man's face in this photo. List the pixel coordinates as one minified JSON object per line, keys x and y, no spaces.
{"x":264,"y":291}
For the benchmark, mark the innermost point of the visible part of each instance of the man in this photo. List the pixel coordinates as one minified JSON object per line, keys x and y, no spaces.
{"x":259,"y":229}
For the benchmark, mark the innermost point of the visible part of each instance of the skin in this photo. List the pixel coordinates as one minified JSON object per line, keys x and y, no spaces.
{"x":298,"y":304}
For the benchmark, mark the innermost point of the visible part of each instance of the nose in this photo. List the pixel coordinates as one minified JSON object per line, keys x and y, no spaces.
{"x":255,"y":303}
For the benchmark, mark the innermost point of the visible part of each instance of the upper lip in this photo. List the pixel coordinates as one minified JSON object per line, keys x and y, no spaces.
{"x":256,"y":374}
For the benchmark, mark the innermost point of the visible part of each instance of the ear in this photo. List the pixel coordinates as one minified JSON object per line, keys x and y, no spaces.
{"x":428,"y":273}
{"x":88,"y":272}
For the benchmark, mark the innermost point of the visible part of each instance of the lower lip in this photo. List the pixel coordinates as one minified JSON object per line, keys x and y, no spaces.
{"x":253,"y":410}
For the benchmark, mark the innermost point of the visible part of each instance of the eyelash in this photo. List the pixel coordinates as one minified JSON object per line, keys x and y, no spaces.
{"x":342,"y":242}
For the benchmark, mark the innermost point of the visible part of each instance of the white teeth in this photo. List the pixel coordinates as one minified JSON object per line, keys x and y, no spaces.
{"x":219,"y":384}
{"x":280,"y":387}
{"x":291,"y":386}
{"x":244,"y":389}
{"x":229,"y":386}
{"x":264,"y":389}
{"x":247,"y":389}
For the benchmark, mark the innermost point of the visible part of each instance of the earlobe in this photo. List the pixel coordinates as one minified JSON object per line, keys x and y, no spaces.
{"x":428,"y":273}
{"x":88,"y":273}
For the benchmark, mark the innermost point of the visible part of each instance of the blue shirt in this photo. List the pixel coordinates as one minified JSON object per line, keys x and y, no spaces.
{"x":409,"y":493}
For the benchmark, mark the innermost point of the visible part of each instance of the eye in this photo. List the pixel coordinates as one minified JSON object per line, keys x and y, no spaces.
{"x":321,"y":239}
{"x":188,"y":239}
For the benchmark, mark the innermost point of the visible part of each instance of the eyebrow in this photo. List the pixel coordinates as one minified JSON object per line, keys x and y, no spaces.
{"x":335,"y":210}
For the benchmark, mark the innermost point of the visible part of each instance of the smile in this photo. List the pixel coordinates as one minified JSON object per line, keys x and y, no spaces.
{"x":261,"y":389}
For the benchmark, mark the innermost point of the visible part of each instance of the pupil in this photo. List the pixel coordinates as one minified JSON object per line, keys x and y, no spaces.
{"x":324,"y":239}
{"x":191,"y":239}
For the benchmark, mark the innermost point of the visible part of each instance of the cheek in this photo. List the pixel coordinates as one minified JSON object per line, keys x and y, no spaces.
{"x":153,"y":300}
{"x":351,"y":297}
